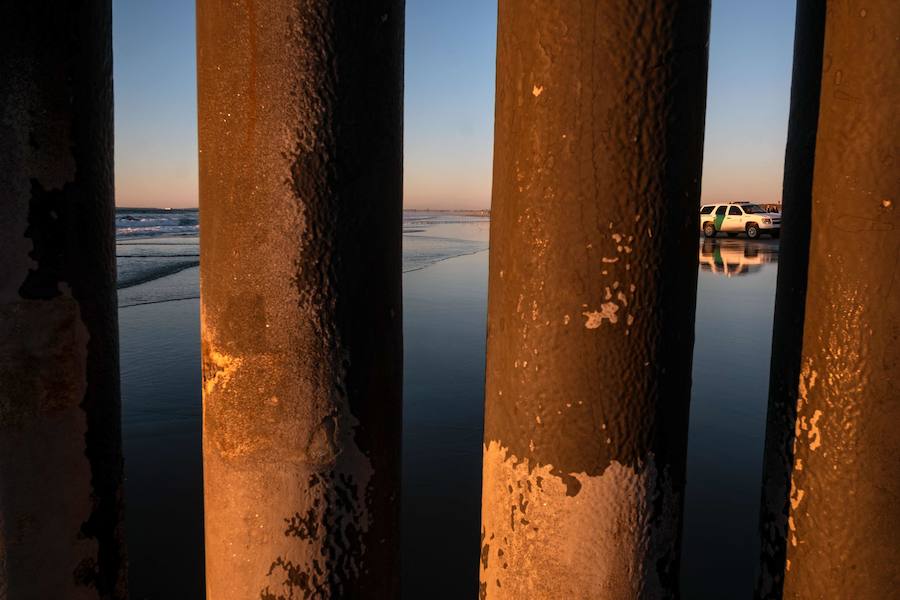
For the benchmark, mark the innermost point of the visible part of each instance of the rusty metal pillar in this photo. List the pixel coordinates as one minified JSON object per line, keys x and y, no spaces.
{"x":832,"y":472}
{"x":593,"y":271}
{"x":60,"y":440}
{"x":300,"y":119}
{"x":790,"y":294}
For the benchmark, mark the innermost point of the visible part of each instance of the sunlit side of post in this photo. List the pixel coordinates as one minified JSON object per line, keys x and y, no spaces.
{"x":300,"y":108}
{"x":837,"y":442}
{"x":60,"y":440}
{"x":593,"y":271}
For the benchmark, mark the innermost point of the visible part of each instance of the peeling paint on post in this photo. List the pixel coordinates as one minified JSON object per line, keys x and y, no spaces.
{"x":60,"y":440}
{"x":300,"y":117}
{"x":830,"y":522}
{"x":593,"y":271}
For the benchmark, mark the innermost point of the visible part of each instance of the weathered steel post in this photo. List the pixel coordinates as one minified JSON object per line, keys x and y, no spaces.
{"x":60,"y":440}
{"x":593,"y":270}
{"x":832,"y":470}
{"x":790,"y":294}
{"x":300,"y":118}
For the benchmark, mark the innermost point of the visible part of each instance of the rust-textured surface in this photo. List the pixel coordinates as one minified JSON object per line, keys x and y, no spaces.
{"x":300,"y":119}
{"x":843,"y":467}
{"x":60,"y":440}
{"x":790,"y":296}
{"x":597,"y":160}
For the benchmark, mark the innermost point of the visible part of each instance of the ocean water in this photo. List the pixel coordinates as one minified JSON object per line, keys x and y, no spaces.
{"x":445,"y":301}
{"x":155,"y":245}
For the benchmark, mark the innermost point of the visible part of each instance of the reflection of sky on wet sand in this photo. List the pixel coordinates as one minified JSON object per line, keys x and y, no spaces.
{"x":444,"y":334}
{"x":444,"y":308}
{"x":735,"y":304}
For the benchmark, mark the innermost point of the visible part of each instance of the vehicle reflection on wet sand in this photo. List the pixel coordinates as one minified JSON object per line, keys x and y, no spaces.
{"x":733,"y":338}
{"x":731,"y":257}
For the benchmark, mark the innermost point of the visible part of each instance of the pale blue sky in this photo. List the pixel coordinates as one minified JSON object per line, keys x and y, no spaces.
{"x":449,"y":101}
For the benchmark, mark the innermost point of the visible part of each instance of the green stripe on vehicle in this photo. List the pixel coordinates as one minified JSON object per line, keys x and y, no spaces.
{"x":719,"y":219}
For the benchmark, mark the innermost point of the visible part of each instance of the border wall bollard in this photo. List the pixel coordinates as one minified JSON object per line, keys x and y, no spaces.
{"x":790,"y":300}
{"x":832,"y":472}
{"x":592,"y":288}
{"x":60,"y":414}
{"x":300,"y":119}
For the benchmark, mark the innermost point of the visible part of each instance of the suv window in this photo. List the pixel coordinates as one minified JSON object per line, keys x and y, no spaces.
{"x":706,"y":210}
{"x":734,"y":210}
{"x":721,"y":210}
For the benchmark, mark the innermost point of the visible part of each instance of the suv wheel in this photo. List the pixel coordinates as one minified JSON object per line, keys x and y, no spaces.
{"x":752,"y":231}
{"x":709,"y":230}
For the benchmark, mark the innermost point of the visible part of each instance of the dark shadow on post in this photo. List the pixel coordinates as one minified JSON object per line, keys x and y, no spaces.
{"x":593,"y":272}
{"x":790,"y":294}
{"x":830,"y":522}
{"x":60,"y":430}
{"x":300,"y":118}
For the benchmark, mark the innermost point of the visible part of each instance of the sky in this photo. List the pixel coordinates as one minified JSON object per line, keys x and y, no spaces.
{"x":449,"y":102}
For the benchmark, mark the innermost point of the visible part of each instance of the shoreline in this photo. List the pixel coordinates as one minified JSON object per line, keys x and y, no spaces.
{"x":469,"y":212}
{"x":197,"y":266}
{"x":463,"y":212}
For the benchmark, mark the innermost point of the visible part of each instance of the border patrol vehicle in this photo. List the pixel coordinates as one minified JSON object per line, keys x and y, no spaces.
{"x":732,"y":218}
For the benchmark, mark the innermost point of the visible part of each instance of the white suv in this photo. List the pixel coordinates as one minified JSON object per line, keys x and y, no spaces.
{"x":733,"y":218}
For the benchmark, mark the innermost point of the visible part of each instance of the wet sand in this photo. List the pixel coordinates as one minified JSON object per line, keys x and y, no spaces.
{"x":444,"y":324}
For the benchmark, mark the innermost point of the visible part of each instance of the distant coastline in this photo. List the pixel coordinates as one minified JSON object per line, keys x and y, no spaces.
{"x":466,"y":212}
